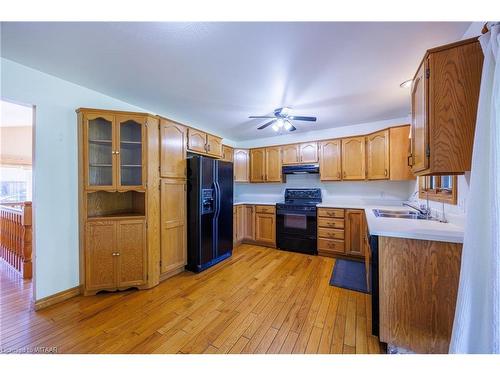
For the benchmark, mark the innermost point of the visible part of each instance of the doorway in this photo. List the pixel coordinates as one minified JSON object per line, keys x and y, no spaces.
{"x":16,"y":205}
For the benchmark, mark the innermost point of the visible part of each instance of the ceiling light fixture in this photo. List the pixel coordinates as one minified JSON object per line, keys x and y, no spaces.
{"x":285,"y":111}
{"x":288,"y":125}
{"x":406,"y":84}
{"x":275,"y":127}
{"x":280,"y":122}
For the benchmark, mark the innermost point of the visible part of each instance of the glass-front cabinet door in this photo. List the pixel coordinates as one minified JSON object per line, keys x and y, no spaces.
{"x":130,"y":135}
{"x":100,"y":160}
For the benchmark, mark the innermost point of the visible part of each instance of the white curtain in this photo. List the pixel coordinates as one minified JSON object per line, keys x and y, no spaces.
{"x":476,"y":328}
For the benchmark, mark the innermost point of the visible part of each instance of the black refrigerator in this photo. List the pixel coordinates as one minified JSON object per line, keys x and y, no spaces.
{"x":210,"y":212}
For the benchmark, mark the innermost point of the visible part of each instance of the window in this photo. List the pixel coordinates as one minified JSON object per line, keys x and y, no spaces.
{"x":438,"y":188}
{"x":15,"y":183}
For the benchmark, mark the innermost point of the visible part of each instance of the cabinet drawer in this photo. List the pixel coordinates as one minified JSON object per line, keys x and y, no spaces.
{"x":330,"y":233}
{"x":330,"y":245}
{"x":331,"y":223}
{"x":265,"y":209}
{"x":331,"y":212}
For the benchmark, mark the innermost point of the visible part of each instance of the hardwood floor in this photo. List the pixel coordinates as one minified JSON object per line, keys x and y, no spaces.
{"x":260,"y":300}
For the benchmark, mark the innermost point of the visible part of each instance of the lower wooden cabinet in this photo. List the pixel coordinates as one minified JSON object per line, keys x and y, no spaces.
{"x":115,"y":256}
{"x":331,"y":236}
{"x":355,"y":232}
{"x":254,"y":224}
{"x":265,"y":228}
{"x":173,"y":253}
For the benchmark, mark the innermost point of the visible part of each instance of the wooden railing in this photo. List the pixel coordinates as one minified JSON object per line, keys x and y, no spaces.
{"x":15,"y":236}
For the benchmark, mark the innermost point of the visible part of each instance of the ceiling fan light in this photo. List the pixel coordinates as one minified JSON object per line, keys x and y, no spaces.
{"x":288,"y":125}
{"x":275,"y":127}
{"x":285,"y":111}
{"x":280,"y":123}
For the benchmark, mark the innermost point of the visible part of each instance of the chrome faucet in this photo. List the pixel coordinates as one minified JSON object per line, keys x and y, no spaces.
{"x":424,"y":210}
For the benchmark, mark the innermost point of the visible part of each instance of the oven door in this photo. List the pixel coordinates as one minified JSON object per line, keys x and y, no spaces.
{"x":296,"y":222}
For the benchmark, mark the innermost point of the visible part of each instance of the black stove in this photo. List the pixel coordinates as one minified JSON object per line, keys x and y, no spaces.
{"x":296,"y":223}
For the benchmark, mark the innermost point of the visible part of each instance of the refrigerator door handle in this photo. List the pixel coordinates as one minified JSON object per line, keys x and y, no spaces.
{"x":217,"y":199}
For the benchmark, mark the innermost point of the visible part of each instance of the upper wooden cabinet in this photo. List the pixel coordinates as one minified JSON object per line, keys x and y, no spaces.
{"x":330,"y":166}
{"x":308,"y":152}
{"x":377,"y":155}
{"x":227,"y":153}
{"x":114,"y":154}
{"x":300,"y":153}
{"x":290,"y":154}
{"x":273,"y":164}
{"x":241,"y":165}
{"x":197,"y":141}
{"x":445,"y":94}
{"x":399,"y":150}
{"x":258,"y":165}
{"x":265,"y":164}
{"x":214,"y":146}
{"x":353,"y":158}
{"x":203,"y":143}
{"x":173,"y":149}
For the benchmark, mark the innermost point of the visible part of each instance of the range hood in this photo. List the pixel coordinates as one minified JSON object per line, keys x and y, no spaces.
{"x":300,"y":169}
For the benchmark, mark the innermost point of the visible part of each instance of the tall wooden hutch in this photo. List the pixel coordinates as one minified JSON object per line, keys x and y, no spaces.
{"x":119,"y":199}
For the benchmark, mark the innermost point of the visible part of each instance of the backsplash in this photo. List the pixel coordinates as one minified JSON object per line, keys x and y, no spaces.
{"x":380,"y":190}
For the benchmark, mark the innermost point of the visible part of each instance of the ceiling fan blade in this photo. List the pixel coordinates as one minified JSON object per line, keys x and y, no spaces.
{"x":303,"y":118}
{"x":261,"y":116}
{"x":292,"y":129}
{"x":266,"y":124}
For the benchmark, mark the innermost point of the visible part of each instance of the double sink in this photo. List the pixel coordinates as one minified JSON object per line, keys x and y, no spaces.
{"x":401,"y":214}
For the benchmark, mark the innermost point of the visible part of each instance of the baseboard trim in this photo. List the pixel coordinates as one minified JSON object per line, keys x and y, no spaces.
{"x":56,"y":298}
{"x":171,"y":273}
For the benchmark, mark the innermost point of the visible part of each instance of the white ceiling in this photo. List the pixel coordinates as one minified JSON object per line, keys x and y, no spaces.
{"x":214,"y":75}
{"x":15,"y":115}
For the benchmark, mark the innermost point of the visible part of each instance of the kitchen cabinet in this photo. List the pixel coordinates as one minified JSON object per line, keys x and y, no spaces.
{"x":197,"y":141}
{"x":291,"y":154}
{"x":273,"y":164}
{"x":265,"y":228}
{"x":300,"y":153}
{"x":114,"y":157}
{"x":399,"y":150}
{"x":173,"y":251}
{"x":241,"y":165}
{"x":265,"y":164}
{"x":173,"y":138}
{"x":214,"y":146}
{"x":355,"y":232}
{"x":353,"y":158}
{"x":227,"y":153}
{"x":418,"y":285}
{"x":308,"y":152}
{"x":331,"y":234}
{"x":131,"y":252}
{"x":377,"y":155}
{"x":444,"y":98}
{"x":257,"y":165}
{"x":248,"y":224}
{"x":119,"y":178}
{"x":330,"y":165}
{"x":116,"y":254}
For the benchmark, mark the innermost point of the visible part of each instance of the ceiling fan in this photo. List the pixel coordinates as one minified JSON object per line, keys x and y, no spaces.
{"x":282,"y":120}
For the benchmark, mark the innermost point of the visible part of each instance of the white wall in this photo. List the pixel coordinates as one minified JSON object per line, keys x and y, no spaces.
{"x":345,"y":190}
{"x":55,"y":193}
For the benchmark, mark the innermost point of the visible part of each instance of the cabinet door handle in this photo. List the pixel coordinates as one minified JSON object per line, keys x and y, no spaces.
{"x":409,"y":160}
{"x":338,"y":174}
{"x":344,"y":174}
{"x":385,"y":172}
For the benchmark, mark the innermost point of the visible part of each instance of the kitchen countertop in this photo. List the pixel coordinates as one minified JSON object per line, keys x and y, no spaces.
{"x":391,"y":227}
